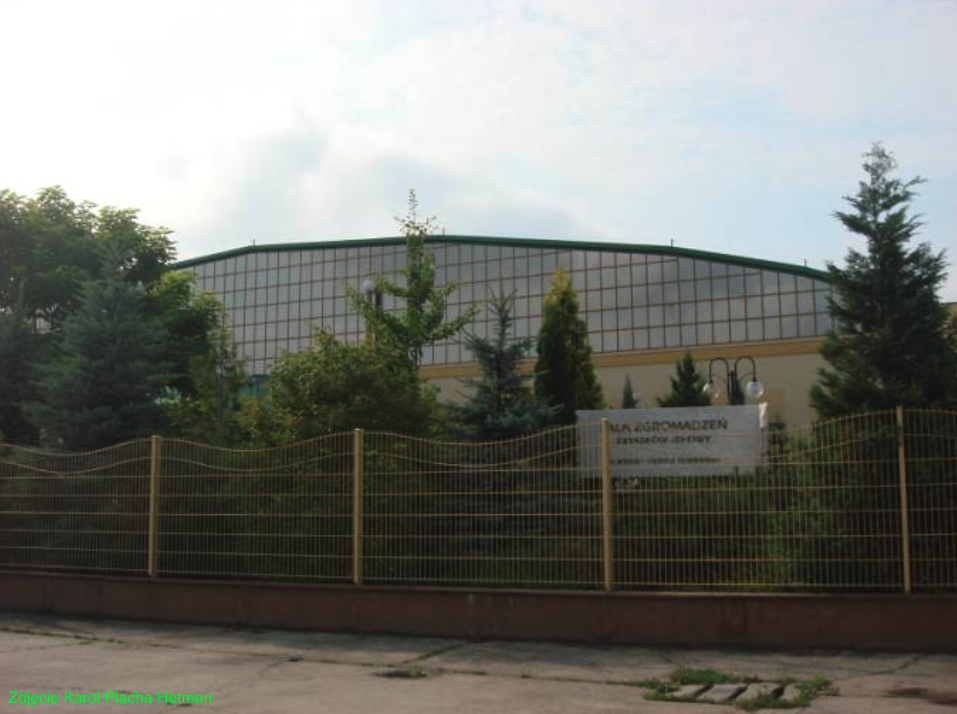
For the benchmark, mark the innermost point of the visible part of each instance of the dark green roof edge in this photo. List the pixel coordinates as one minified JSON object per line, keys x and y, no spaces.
{"x":673,"y":251}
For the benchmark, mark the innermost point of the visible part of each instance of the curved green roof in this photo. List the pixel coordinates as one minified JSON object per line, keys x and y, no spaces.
{"x":673,"y":251}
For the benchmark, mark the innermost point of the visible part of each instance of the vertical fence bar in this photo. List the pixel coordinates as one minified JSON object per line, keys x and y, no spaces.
{"x":905,"y":521}
{"x":357,"y":507}
{"x":606,"y":496}
{"x":156,"y":448}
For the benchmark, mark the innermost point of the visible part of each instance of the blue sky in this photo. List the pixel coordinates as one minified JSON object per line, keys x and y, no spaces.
{"x":731,"y":126}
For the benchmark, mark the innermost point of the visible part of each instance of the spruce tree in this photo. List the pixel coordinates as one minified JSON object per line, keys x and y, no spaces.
{"x":564,"y":374}
{"x":890,"y":343}
{"x":501,"y":407}
{"x":103,"y":385}
{"x":687,"y":386}
{"x":628,"y":400}
{"x":17,"y":355}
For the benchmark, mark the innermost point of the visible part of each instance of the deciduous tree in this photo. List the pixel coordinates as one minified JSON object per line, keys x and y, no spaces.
{"x":333,"y":387}
{"x":422,"y":315}
{"x":50,"y":245}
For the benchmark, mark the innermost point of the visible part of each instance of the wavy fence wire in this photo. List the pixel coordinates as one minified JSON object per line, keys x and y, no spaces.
{"x":931,"y":457}
{"x":79,"y":512}
{"x":513,"y":513}
{"x":271,"y":513}
{"x":823,"y":510}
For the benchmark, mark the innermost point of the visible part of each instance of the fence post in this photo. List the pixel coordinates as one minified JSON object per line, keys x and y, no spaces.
{"x":156,"y":449}
{"x":905,"y":521}
{"x":606,"y":503}
{"x":357,"y":507}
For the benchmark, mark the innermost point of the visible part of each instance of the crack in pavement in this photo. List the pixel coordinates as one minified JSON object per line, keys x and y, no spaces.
{"x":440,"y":651}
{"x":27,"y":630}
{"x":273,"y":660}
{"x":909,"y":663}
{"x":300,"y":655}
{"x":277,"y":663}
{"x":852,"y":674}
{"x":77,"y":643}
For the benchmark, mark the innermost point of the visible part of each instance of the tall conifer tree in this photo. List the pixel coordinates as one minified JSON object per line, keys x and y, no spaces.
{"x":17,"y":355}
{"x":103,"y":386}
{"x":890,"y":344}
{"x":564,"y":374}
{"x":687,"y":386}
{"x":502,"y":407}
{"x":628,"y":400}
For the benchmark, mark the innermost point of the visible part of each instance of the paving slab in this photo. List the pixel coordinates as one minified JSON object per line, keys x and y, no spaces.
{"x":689,"y":691}
{"x":935,"y":672}
{"x":370,"y":650}
{"x":553,"y":661}
{"x":768,"y":666}
{"x":791,"y":693}
{"x":244,"y":683}
{"x":866,"y":705}
{"x":261,"y":671}
{"x":720,"y":693}
{"x":758,"y":690}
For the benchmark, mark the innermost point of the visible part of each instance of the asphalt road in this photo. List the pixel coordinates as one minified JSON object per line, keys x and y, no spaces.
{"x":242,"y":671}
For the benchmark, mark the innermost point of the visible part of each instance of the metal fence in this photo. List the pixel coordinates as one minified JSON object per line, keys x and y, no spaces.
{"x":865,"y":503}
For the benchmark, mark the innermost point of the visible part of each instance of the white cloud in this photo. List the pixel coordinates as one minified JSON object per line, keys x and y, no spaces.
{"x":733,"y":125}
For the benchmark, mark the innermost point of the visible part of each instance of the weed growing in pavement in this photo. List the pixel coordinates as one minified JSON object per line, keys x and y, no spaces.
{"x":664,"y":689}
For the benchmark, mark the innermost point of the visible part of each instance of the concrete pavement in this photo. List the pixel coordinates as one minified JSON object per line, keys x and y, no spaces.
{"x":253,"y":671}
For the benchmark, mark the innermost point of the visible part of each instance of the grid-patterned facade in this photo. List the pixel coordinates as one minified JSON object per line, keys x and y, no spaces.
{"x":632,"y":297}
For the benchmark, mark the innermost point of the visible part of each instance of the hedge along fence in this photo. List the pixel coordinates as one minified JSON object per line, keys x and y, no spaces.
{"x":865,"y":503}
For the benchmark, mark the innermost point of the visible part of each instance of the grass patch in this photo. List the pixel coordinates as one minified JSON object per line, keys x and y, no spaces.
{"x":685,"y":676}
{"x":808,"y":689}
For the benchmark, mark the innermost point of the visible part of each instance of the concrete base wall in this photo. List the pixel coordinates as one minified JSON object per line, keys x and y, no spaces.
{"x":886,"y":622}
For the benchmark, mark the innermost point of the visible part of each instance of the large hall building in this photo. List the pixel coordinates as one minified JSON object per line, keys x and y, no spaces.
{"x":644,"y":305}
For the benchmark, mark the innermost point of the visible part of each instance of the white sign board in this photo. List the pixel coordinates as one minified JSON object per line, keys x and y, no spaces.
{"x":683,"y":441}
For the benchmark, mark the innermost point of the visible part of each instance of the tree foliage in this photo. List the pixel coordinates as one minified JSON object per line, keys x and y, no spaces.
{"x":17,"y":355}
{"x":203,"y":397}
{"x":192,"y":325}
{"x":104,"y":382}
{"x":422,"y":317}
{"x":52,"y":253}
{"x":501,"y":406}
{"x":333,"y":387}
{"x":564,"y":374}
{"x":890,"y":343}
{"x":50,"y":245}
{"x":687,"y":386}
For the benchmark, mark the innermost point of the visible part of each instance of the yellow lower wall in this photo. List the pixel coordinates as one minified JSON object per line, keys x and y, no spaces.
{"x":787,"y":368}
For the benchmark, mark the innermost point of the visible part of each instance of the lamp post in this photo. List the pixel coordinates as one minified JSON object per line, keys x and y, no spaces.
{"x":732,"y":375}
{"x":374,"y":296}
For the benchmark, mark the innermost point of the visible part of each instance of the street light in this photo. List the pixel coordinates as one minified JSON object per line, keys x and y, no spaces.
{"x":753,"y":390}
{"x":374,"y":296}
